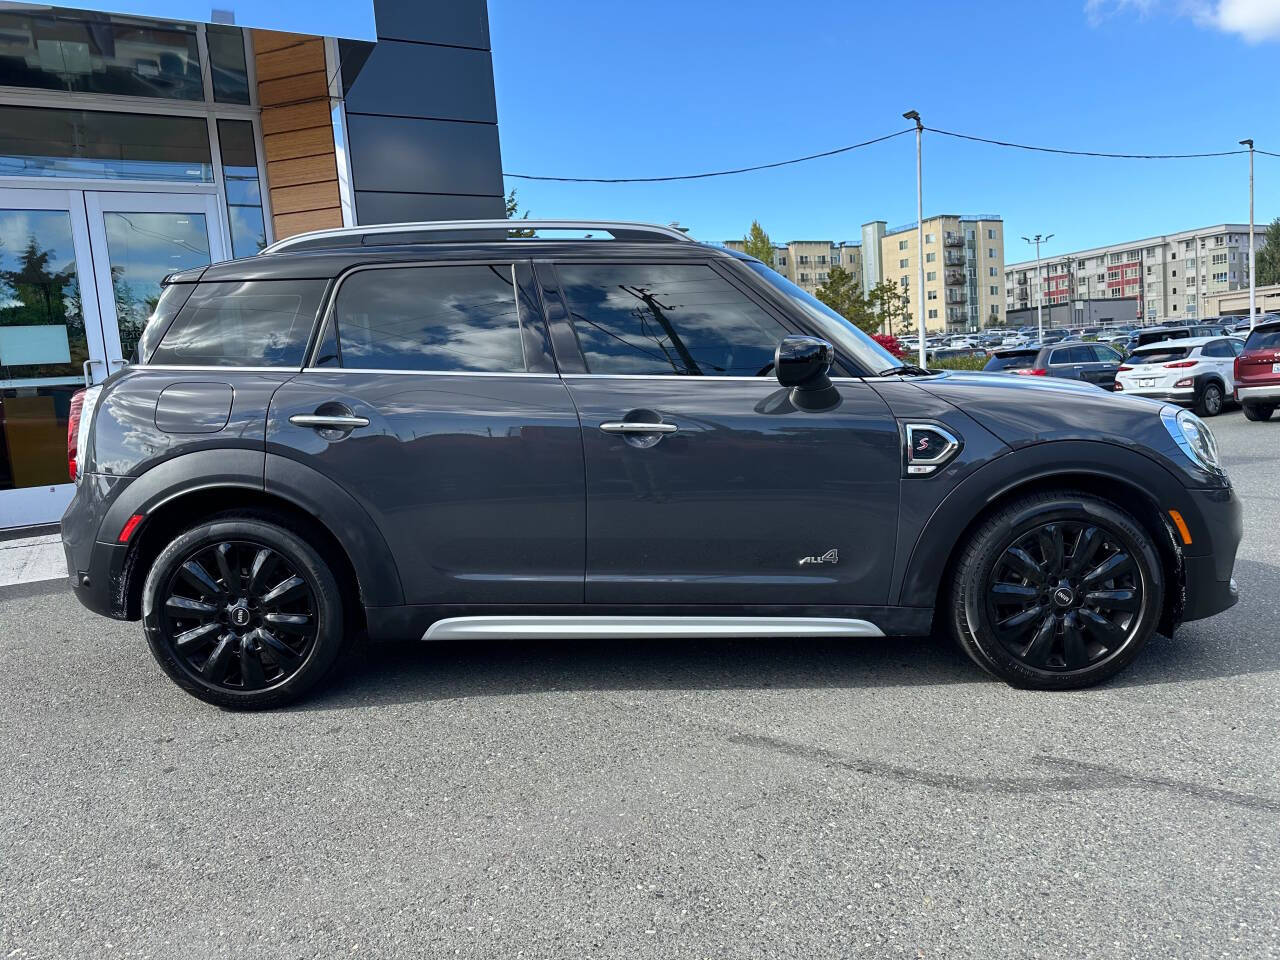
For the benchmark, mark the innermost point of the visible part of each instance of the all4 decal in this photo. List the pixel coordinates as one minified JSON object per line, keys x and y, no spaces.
{"x":831,"y":556}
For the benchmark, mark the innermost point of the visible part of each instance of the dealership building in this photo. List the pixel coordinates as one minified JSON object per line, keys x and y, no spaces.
{"x":132,"y":147}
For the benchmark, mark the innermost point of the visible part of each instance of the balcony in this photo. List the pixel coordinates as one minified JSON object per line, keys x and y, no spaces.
{"x":955,"y":277}
{"x":956,"y":296}
{"x":954,"y":259}
{"x":954,"y":240}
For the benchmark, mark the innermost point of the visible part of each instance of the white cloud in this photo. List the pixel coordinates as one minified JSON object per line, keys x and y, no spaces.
{"x":1254,"y":21}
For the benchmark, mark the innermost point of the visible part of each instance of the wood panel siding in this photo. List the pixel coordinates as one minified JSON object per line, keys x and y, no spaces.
{"x":297,"y":133}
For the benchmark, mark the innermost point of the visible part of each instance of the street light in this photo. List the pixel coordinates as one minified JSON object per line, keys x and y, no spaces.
{"x":1037,"y":240}
{"x":919,"y":298}
{"x":1253,"y":290}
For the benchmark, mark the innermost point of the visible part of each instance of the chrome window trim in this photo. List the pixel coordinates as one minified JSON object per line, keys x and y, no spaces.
{"x":208,"y":367}
{"x":424,"y":373}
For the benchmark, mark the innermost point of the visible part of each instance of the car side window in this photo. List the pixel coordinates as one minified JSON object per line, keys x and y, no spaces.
{"x":1216,"y":348}
{"x":657,"y":319}
{"x":1103,"y":354}
{"x":446,"y":318}
{"x":1237,"y":346}
{"x":1070,"y":355}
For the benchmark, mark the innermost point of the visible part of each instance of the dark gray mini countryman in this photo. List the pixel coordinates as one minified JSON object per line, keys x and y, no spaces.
{"x":449,"y":431}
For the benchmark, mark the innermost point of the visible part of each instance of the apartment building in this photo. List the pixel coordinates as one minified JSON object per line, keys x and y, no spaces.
{"x":963,"y":269}
{"x":1173,"y":277}
{"x":807,"y":263}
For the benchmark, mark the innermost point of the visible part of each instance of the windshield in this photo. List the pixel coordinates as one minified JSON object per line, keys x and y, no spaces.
{"x":1264,"y":338}
{"x":844,"y":336}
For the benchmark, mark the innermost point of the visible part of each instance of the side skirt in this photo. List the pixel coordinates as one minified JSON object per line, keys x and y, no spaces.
{"x":625,"y":628}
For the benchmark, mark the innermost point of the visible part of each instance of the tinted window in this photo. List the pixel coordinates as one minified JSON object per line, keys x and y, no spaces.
{"x":263,"y":323}
{"x":172,"y":297}
{"x":446,"y":318}
{"x":1160,"y":355}
{"x":667,"y":319}
{"x":1071,"y":355}
{"x":1021,"y":361}
{"x":1263,"y":338}
{"x":1218,"y":348}
{"x":227,"y":63}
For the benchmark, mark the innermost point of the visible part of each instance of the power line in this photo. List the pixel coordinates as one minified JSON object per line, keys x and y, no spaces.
{"x":714,"y":173}
{"x":1087,"y":153}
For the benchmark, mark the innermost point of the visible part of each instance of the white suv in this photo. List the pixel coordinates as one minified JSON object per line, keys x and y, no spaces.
{"x":1195,"y":371}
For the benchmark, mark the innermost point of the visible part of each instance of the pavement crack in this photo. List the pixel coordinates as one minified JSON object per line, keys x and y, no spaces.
{"x":1077,"y":775}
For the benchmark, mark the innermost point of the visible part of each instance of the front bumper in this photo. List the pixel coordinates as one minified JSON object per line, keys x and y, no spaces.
{"x":1266,"y":393}
{"x":1208,"y":562}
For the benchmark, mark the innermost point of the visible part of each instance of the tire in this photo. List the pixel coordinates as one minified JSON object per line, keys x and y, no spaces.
{"x":262,"y":642}
{"x":1258,"y":411}
{"x":1210,"y":402}
{"x":1009,"y":613}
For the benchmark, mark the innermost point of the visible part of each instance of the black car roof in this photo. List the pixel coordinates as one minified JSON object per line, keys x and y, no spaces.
{"x":304,"y":263}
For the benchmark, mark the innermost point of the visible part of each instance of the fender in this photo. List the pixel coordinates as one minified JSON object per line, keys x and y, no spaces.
{"x":1107,"y":461}
{"x":304,"y":488}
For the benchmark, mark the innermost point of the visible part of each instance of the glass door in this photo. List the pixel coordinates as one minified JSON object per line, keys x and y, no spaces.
{"x":138,"y":239}
{"x":51,"y":344}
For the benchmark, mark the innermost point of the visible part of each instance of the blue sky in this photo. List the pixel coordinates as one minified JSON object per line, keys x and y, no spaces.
{"x":679,"y":86}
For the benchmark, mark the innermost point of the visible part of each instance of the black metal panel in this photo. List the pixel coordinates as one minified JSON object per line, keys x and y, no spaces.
{"x":376,"y":207}
{"x":412,"y":80}
{"x":462,"y":23}
{"x":401,"y":155}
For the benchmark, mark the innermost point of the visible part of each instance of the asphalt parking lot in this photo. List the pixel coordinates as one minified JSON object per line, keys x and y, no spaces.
{"x":662,"y":799}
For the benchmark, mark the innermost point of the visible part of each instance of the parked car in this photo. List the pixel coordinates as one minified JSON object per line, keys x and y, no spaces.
{"x":1197,"y":372}
{"x":1157,"y":334}
{"x":1054,"y":334}
{"x":1094,"y":363}
{"x":442,"y":431}
{"x":1257,"y":371}
{"x":1011,"y":359}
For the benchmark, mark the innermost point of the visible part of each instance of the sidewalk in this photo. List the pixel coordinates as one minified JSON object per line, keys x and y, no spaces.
{"x":31,"y":559}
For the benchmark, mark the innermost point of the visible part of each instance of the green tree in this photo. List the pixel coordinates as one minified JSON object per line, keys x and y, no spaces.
{"x":842,"y":295}
{"x":1268,"y":255}
{"x":757,"y":244}
{"x":513,"y":213}
{"x":889,"y":305}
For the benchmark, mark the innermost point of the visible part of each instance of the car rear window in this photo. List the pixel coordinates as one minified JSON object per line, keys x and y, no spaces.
{"x":172,"y":297}
{"x":1264,"y":338}
{"x":242,"y":323}
{"x":1162,"y":355}
{"x":1016,"y":361}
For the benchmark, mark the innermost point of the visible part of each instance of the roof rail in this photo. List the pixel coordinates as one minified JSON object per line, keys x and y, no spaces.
{"x":386,"y":233}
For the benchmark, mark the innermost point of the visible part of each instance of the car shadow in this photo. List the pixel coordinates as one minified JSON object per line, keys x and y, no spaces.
{"x":412,"y":671}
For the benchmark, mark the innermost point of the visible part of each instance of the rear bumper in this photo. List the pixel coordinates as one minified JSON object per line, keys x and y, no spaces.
{"x":1209,"y":561}
{"x":1266,"y":393}
{"x":1171,"y":394}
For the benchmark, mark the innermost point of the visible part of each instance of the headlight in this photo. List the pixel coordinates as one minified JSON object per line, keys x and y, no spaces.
{"x":1194,"y":437}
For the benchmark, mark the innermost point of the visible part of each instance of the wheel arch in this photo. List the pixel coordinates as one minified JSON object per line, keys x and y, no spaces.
{"x":1124,"y":477}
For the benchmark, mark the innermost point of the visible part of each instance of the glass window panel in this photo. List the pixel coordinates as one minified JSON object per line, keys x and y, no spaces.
{"x":40,"y":142}
{"x":248,"y":232}
{"x":227,"y":64}
{"x":430,"y":318}
{"x":42,"y":345}
{"x":667,"y":319}
{"x":239,"y":152}
{"x":263,"y":323}
{"x":144,"y":248}
{"x":86,"y":52}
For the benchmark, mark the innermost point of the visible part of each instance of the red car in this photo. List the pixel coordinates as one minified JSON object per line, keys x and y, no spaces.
{"x":1257,"y":372}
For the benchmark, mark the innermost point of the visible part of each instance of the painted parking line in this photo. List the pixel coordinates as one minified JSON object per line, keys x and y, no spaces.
{"x":32,"y":559}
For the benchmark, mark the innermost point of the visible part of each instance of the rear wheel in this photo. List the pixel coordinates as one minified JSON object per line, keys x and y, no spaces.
{"x":1210,"y":402}
{"x":1258,"y":411}
{"x":1057,"y":591}
{"x":243,"y":613}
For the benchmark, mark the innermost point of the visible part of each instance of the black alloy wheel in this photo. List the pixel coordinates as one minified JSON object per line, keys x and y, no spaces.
{"x":1064,"y":596}
{"x":1210,"y":404}
{"x":238,"y":615}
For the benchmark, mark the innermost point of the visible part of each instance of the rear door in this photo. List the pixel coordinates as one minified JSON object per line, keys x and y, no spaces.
{"x":736,"y":496}
{"x":1220,"y":357}
{"x":433,"y":400}
{"x":1103,"y":366}
{"x":1069,"y":362}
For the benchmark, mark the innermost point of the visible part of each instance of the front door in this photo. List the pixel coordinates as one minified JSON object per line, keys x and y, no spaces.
{"x":737,"y":495}
{"x":79,"y":274}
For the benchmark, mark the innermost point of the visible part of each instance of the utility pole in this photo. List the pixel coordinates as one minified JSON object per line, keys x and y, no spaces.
{"x":1037,"y":240}
{"x":1253,"y":287}
{"x":919,"y":297}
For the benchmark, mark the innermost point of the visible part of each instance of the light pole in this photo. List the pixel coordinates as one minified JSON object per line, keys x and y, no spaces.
{"x":1253,"y":289}
{"x":1037,"y":240}
{"x":919,"y":298}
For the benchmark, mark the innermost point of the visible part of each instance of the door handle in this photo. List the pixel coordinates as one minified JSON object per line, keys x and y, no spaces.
{"x":327,"y":421}
{"x":88,"y":376}
{"x":634,"y":427}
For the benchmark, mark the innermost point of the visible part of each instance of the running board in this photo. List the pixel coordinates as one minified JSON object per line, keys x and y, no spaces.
{"x":628,"y":628}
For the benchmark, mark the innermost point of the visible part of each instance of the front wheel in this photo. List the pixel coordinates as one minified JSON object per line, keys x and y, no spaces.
{"x":1210,"y":402}
{"x":1056,"y":591}
{"x":1258,"y":411}
{"x":243,"y":613}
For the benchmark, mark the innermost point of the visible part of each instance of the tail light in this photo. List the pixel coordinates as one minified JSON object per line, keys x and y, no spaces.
{"x":79,"y":421}
{"x":73,"y":433}
{"x":1123,"y":367}
{"x":1180,"y":364}
{"x":1037,"y":372}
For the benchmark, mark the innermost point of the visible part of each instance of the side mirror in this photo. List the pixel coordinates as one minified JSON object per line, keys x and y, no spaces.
{"x":804,"y":363}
